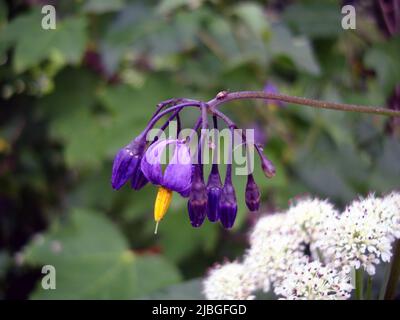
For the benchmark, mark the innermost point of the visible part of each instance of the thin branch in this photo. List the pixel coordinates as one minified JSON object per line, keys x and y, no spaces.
{"x":241,"y":95}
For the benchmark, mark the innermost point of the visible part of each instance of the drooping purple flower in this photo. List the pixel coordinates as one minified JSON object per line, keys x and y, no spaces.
{"x":214,"y":190}
{"x":271,"y":88}
{"x":252,"y":195}
{"x":197,"y":204}
{"x":227,"y":202}
{"x":177,"y":174}
{"x":127,"y":163}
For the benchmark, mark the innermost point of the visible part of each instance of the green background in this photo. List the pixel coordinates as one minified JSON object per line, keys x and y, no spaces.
{"x":71,"y":97}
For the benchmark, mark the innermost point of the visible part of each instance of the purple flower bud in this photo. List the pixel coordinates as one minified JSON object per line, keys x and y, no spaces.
{"x":138,"y":180}
{"x":227,"y":202}
{"x":126,"y":163}
{"x":214,"y":189}
{"x":267,"y":166}
{"x":197,"y":204}
{"x":252,"y":194}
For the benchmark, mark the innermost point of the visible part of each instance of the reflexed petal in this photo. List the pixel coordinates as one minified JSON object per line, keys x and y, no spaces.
{"x":151,"y":162}
{"x":178,"y":173}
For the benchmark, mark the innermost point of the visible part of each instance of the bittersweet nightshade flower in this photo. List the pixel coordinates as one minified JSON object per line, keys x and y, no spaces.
{"x":176,"y":177}
{"x":177,"y":174}
{"x":131,"y":164}
{"x":127,"y":163}
{"x":214,"y":190}
{"x":253,"y":195}
{"x":197,"y":204}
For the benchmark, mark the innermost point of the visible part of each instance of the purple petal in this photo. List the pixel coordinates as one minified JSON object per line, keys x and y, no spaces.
{"x":177,"y":176}
{"x":151,"y":162}
{"x":124,"y":166}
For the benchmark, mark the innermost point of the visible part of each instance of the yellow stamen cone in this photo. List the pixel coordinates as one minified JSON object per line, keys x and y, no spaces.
{"x":163,"y":200}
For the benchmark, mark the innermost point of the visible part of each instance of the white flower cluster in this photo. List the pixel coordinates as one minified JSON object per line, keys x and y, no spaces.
{"x":314,"y":281}
{"x":360,"y":237}
{"x":308,"y":251}
{"x":228,"y":282}
{"x":274,"y":245}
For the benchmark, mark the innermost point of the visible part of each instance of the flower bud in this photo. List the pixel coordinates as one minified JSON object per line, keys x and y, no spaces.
{"x":197,"y":204}
{"x":127,"y":162}
{"x":267,"y":166}
{"x":214,"y":189}
{"x":227,"y":204}
{"x":252,"y":194}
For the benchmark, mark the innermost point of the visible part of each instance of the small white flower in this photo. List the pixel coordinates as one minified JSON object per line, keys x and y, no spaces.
{"x":313,"y":281}
{"x":275,"y":245}
{"x":228,"y":282}
{"x":359,"y":237}
{"x":310,"y":217}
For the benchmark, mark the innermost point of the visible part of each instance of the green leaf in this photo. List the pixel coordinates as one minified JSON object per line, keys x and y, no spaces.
{"x":314,"y":19}
{"x":384,"y":59}
{"x":102,"y":6}
{"x":33,"y":44}
{"x":153,"y":273}
{"x":175,"y":231}
{"x":3,"y":13}
{"x":252,"y":14}
{"x":166,"y":6}
{"x":386,"y":173}
{"x":298,"y":49}
{"x":189,"y":290}
{"x":93,"y":261}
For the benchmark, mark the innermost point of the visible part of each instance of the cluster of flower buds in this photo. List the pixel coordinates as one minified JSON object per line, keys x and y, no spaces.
{"x":141,"y":161}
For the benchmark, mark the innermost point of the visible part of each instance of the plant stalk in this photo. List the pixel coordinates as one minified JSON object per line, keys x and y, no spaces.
{"x":224,"y":97}
{"x":359,"y":283}
{"x":394,"y":273}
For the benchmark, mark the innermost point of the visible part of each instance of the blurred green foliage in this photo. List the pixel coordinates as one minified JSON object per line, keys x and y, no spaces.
{"x":71,"y":97}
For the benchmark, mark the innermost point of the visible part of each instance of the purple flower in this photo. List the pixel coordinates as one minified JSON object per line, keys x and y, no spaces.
{"x":271,"y":88}
{"x":177,"y":174}
{"x":214,"y":189}
{"x":197,"y":204}
{"x":227,"y":202}
{"x":253,"y":195}
{"x":127,"y":163}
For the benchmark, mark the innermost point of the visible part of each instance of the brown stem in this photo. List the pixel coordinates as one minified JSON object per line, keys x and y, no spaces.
{"x":225,"y":97}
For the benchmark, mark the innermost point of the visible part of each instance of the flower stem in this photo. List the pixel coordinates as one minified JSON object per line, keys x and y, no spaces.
{"x":368,"y":295}
{"x":240,"y":95}
{"x":394,"y":273}
{"x":154,"y":120}
{"x":385,"y":281}
{"x":359,"y":283}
